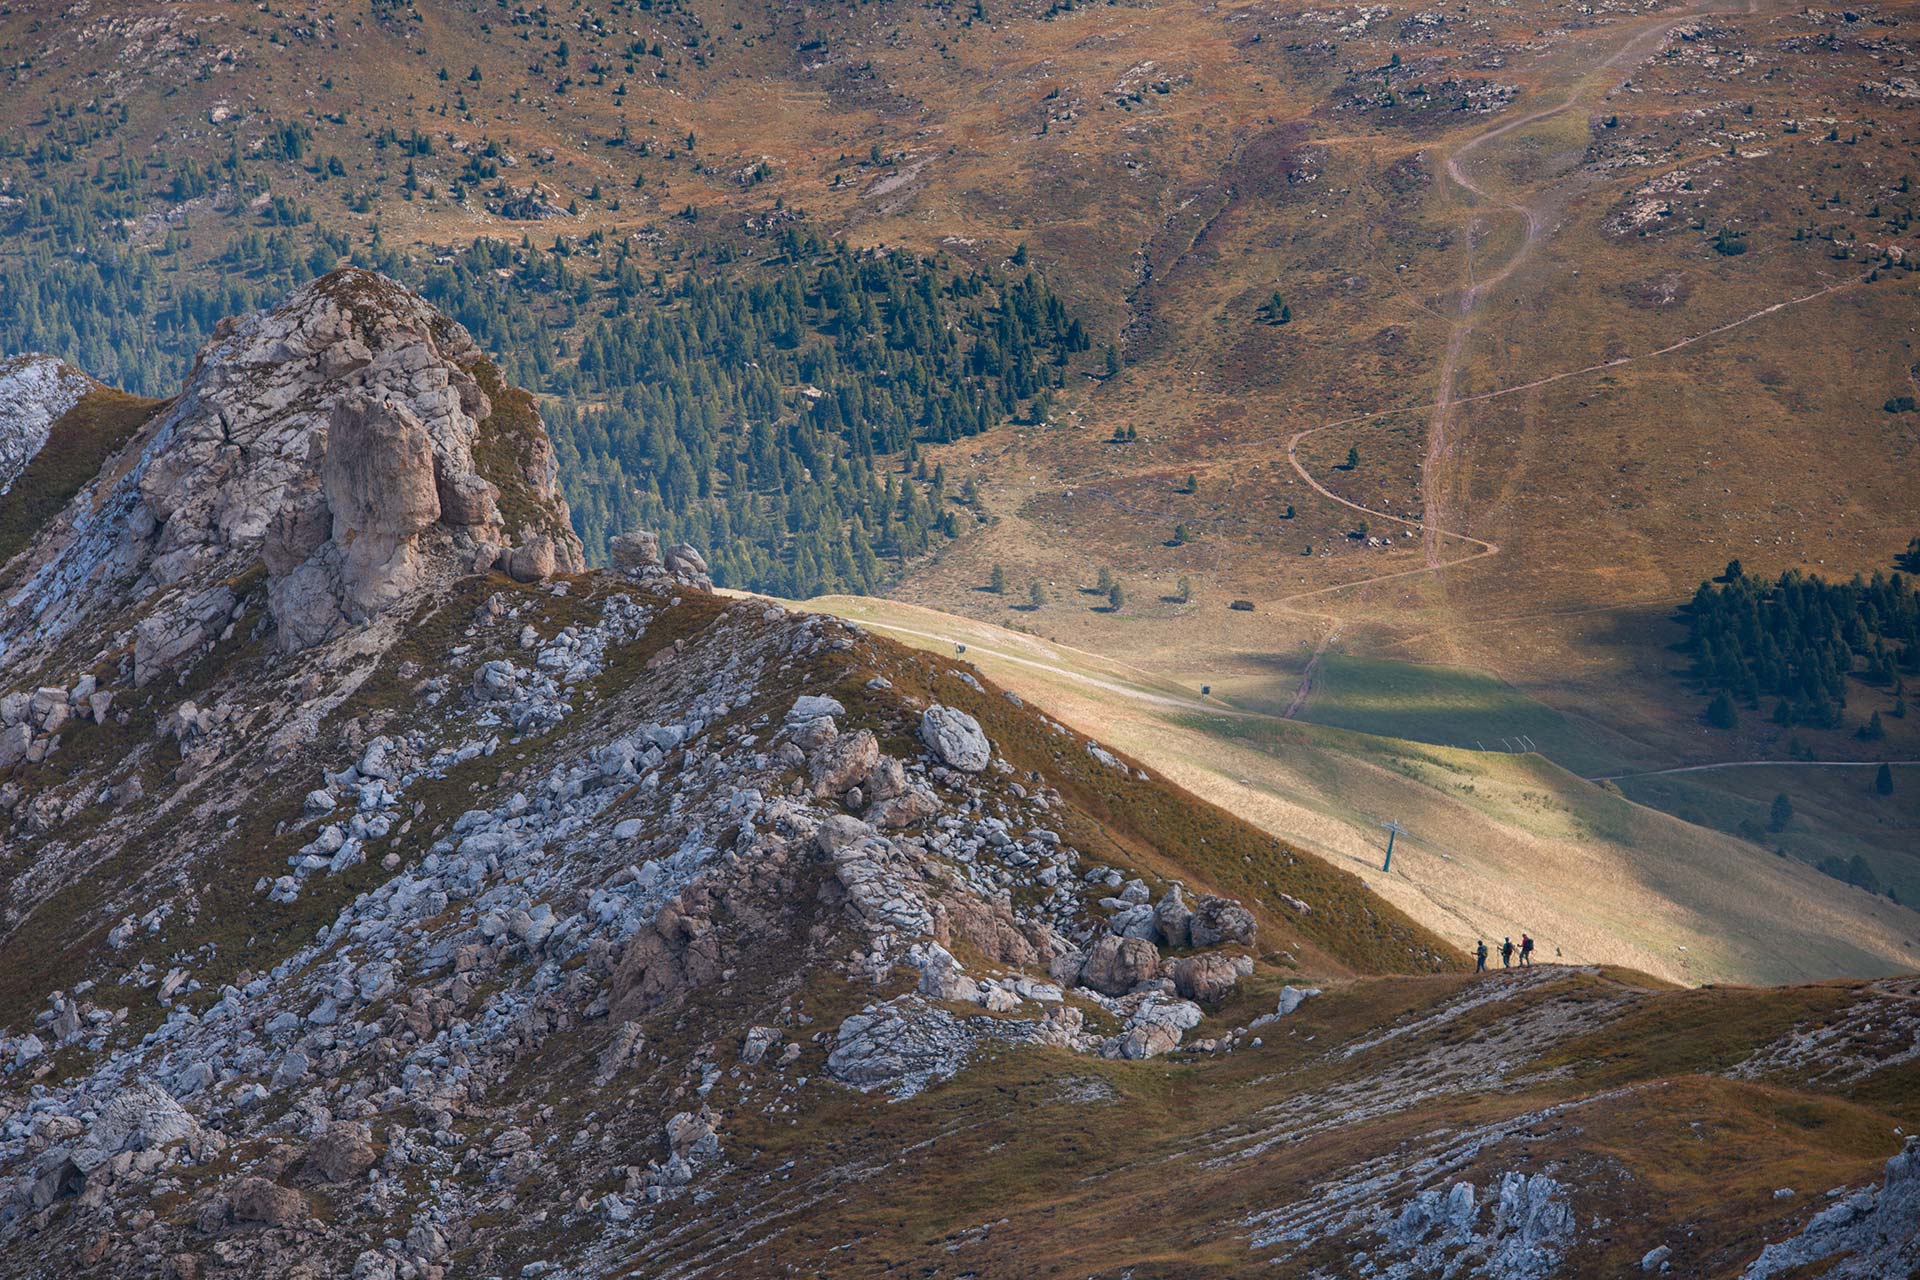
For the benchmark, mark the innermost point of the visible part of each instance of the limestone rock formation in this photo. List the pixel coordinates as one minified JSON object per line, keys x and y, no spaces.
{"x":345,"y":441}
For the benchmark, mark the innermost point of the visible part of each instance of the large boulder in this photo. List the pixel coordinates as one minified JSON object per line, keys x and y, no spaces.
{"x":955,"y":738}
{"x":261,"y":1202}
{"x":141,"y":1117}
{"x":1154,"y":1028}
{"x":343,"y":1152}
{"x":634,"y":552}
{"x":534,"y":560}
{"x":1116,"y":965}
{"x":1173,"y":918}
{"x":902,"y":1045}
{"x":1218,"y":920}
{"x":682,"y":558}
{"x":1210,"y":977}
{"x":842,"y":762}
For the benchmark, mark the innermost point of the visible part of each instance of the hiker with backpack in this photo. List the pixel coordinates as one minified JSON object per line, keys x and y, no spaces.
{"x":1506,"y":953}
{"x":1480,"y":957}
{"x":1526,"y":950}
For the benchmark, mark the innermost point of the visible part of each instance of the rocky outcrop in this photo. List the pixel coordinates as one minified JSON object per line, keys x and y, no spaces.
{"x":344,"y":442}
{"x":1872,"y":1232}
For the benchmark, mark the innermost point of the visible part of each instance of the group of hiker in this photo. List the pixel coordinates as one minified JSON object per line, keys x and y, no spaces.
{"x":1507,"y":952}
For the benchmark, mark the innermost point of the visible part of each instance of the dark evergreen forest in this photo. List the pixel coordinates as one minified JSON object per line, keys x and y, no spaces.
{"x":764,"y":400}
{"x":1800,"y":641}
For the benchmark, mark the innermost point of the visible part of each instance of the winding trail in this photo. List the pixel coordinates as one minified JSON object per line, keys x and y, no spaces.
{"x":1441,"y":442}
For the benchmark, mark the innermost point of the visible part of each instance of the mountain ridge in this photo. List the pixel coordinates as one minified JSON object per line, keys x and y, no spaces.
{"x":571,"y":923}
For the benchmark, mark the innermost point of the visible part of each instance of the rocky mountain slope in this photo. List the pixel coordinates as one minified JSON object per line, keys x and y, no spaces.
{"x":385,"y":897}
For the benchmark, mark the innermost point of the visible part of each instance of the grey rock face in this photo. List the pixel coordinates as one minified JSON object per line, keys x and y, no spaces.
{"x":35,"y":391}
{"x":955,"y":738}
{"x":1521,"y":1229}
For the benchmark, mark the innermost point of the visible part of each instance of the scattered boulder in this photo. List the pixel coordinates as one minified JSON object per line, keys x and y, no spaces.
{"x":758,"y":1041}
{"x":1291,"y":998}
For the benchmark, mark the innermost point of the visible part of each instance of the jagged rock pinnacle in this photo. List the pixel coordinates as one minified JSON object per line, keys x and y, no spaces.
{"x":352,"y":440}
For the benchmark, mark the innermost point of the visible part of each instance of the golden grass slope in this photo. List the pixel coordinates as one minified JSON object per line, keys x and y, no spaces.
{"x":1501,"y":843}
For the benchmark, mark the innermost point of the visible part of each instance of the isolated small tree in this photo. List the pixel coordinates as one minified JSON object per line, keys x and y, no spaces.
{"x":1185,"y":590}
{"x":1910,"y":558}
{"x":1353,"y":458}
{"x":1193,"y":483}
{"x":1780,"y":814}
{"x":1289,"y":514}
{"x":1883,"y":780}
{"x":1872,"y":730}
{"x":1105,"y":581}
{"x":998,"y":582}
{"x":1720,"y":712}
{"x":1036,"y":595}
{"x":1113,"y":360}
{"x":970,"y":493}
{"x":1116,"y":598}
{"x":1180,"y":535}
{"x":1733,"y":571}
{"x":1020,"y":255}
